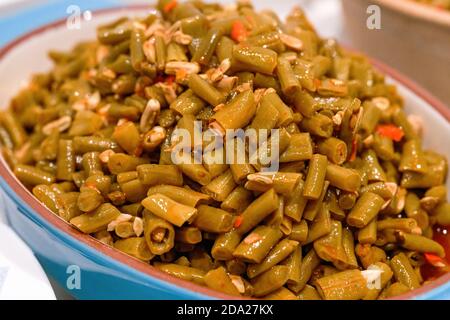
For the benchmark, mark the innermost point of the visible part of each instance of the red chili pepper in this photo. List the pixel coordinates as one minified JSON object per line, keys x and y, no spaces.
{"x":170,"y":6}
{"x":435,"y":260}
{"x":170,"y":79}
{"x":180,"y":74}
{"x":354,"y":150}
{"x":317,"y":83}
{"x":167,"y":79}
{"x":238,"y":221}
{"x":159,"y":78}
{"x":391,"y":131}
{"x":238,"y":31}
{"x":138,"y":151}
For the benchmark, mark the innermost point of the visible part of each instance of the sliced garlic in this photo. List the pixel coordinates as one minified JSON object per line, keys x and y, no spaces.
{"x":181,"y":38}
{"x":416,"y":123}
{"x":149,"y":115}
{"x":123,"y":217}
{"x":62,"y":124}
{"x":138,"y":226}
{"x":291,"y":41}
{"x":381,"y":103}
{"x":220,"y":71}
{"x":105,"y":155}
{"x":175,"y":67}
{"x":261,"y":178}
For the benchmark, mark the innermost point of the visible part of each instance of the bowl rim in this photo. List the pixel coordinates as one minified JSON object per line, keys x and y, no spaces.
{"x":37,"y":211}
{"x":418,"y":10}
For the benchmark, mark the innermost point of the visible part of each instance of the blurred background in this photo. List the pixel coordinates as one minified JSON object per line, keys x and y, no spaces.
{"x":410,"y":37}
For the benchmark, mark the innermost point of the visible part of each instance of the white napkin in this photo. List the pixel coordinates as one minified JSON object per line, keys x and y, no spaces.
{"x":21,"y":276}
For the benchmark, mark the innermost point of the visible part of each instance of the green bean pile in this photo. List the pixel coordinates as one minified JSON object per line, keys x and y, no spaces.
{"x":355,"y":191}
{"x":440,"y":4}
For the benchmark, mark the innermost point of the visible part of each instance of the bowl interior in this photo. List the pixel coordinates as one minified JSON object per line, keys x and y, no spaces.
{"x":23,"y":58}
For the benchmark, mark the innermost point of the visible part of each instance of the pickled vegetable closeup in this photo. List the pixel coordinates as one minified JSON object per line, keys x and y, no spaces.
{"x":128,"y":138}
